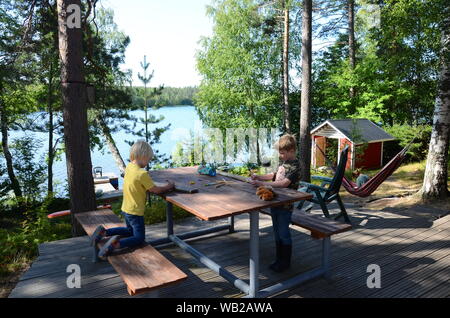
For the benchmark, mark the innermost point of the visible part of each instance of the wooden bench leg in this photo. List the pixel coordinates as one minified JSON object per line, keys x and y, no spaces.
{"x":326,"y":247}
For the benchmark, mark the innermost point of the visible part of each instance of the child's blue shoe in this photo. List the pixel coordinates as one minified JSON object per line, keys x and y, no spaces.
{"x":108,"y":247}
{"x":98,"y":235}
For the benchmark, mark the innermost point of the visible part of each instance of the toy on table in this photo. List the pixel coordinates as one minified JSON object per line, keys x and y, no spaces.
{"x":209,"y":170}
{"x":219,"y":184}
{"x":265,"y":193}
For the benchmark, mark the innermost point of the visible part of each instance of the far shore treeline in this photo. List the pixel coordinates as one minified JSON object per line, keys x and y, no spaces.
{"x":169,"y":96}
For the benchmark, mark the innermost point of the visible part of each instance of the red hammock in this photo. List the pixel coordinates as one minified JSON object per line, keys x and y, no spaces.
{"x":373,"y":183}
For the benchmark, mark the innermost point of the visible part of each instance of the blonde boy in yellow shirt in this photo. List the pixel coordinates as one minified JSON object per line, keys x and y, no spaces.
{"x":136,"y":183}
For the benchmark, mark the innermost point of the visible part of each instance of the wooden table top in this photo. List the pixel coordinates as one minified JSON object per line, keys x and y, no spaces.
{"x":212,"y":203}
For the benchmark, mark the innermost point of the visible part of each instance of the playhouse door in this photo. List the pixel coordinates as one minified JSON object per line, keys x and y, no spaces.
{"x":322,"y":143}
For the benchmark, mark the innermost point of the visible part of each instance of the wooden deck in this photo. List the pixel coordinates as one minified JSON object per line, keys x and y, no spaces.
{"x":412,"y":252}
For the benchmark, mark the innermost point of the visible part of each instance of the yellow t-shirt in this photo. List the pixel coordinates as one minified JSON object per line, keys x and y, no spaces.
{"x":135,"y":185}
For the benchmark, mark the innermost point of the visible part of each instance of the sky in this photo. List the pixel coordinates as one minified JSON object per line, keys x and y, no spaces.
{"x":167,"y":32}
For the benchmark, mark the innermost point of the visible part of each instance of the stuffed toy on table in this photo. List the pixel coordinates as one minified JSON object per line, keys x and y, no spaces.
{"x":265,"y":193}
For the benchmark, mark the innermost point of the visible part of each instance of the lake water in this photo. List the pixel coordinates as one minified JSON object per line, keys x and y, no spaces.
{"x":182,"y":120}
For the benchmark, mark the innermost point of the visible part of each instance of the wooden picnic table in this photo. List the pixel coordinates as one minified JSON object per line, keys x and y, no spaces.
{"x":211,"y":203}
{"x":144,"y":269}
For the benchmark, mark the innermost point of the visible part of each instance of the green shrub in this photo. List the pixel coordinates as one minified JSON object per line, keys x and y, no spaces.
{"x":331,"y":151}
{"x":241,"y":171}
{"x":404,"y":135}
{"x":30,"y":171}
{"x":22,"y":231}
{"x":155,"y":211}
{"x":22,"y":242}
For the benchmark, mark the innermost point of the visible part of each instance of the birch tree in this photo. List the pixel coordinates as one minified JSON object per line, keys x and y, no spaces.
{"x":436,"y":172}
{"x":287,"y":111}
{"x":305,"y":107}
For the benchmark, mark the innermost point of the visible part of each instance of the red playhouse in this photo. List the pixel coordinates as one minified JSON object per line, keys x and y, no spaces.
{"x":355,"y":133}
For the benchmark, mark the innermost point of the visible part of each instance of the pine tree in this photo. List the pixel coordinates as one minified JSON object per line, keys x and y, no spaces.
{"x":76,"y":135}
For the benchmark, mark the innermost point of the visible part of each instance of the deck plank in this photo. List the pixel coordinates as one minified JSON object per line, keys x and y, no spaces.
{"x":391,"y":251}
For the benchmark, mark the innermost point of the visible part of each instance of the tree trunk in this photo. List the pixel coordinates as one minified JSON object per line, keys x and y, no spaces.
{"x":436,"y":173}
{"x":287,"y":112}
{"x":146,"y":127}
{"x":51,"y":153}
{"x":111,"y":144}
{"x":351,"y":39}
{"x":305,"y":107}
{"x":76,"y":136}
{"x":9,"y":164}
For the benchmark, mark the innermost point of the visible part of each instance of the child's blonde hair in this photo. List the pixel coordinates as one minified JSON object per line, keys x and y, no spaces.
{"x":287,"y":142}
{"x":356,"y":172}
{"x":140,"y":150}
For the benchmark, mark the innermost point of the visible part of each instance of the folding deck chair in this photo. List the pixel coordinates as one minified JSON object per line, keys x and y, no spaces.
{"x":325,"y":195}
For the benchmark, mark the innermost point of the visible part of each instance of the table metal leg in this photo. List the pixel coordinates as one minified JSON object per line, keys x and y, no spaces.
{"x":326,"y":246}
{"x":254,"y":254}
{"x":243,"y":286}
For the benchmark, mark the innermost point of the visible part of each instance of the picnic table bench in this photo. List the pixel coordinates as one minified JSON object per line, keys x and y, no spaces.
{"x":320,"y":228}
{"x":143,"y":269}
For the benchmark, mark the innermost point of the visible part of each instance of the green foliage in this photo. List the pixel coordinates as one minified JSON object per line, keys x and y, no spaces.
{"x":30,"y":172}
{"x":5,"y":185}
{"x":152,"y":137}
{"x":396,"y":66}
{"x":356,"y":136}
{"x":419,"y":135}
{"x":112,"y":98}
{"x":183,"y":155}
{"x":245,"y":170}
{"x":155,"y":211}
{"x":240,"y":65}
{"x":170,"y":96}
{"x":20,"y":236}
{"x":332,"y":150}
